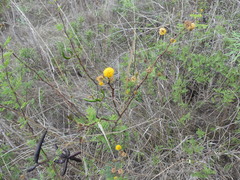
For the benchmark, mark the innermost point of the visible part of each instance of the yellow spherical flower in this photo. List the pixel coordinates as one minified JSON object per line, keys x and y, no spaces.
{"x":172,"y":40}
{"x":118,"y":147}
{"x":101,"y":83}
{"x":115,"y":177}
{"x":162,"y":31}
{"x":108,"y":72}
{"x":189,"y":25}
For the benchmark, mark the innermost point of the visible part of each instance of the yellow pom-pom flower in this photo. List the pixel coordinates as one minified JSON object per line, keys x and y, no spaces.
{"x":101,"y":83}
{"x":118,"y":147}
{"x":189,"y":25}
{"x":162,"y":31}
{"x":172,"y":40}
{"x":108,"y":72}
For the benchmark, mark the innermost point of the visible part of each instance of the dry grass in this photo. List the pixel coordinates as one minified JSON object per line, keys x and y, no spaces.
{"x":159,"y":142}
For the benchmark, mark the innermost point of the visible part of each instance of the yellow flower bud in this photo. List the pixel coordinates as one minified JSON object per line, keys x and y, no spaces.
{"x":114,"y":170}
{"x":101,"y":83}
{"x":172,"y":40}
{"x":100,"y":78}
{"x":120,"y":171}
{"x":123,"y":154}
{"x":149,"y":69}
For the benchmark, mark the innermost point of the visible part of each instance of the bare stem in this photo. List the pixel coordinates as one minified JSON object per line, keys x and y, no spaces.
{"x":51,"y":85}
{"x":113,"y":98}
{"x":129,"y":100}
{"x":75,"y":51}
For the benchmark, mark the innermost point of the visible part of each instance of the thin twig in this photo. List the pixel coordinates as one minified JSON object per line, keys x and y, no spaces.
{"x":74,"y":49}
{"x":179,"y":162}
{"x":14,"y":92}
{"x":49,"y":84}
{"x":113,"y":98}
{"x":129,"y":100}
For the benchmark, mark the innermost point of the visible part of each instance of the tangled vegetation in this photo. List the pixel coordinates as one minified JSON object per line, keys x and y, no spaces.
{"x":120,"y":89}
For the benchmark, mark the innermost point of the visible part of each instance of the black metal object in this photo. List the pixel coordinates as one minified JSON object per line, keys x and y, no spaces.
{"x":39,"y":146}
{"x":64,"y":159}
{"x":32,"y":168}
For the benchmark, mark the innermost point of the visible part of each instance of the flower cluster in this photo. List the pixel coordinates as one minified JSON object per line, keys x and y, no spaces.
{"x":117,"y":171}
{"x":100,"y":80}
{"x":121,"y":152}
{"x":108,"y":74}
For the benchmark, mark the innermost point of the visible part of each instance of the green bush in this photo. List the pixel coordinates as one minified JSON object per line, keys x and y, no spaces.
{"x":134,"y":89}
